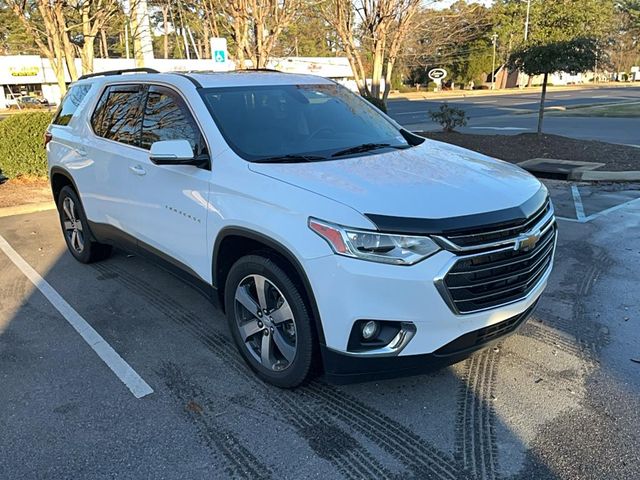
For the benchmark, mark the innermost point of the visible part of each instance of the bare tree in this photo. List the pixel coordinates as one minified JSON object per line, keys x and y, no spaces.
{"x":94,"y":16}
{"x":375,"y":30}
{"x":256,"y":25}
{"x":442,"y":37}
{"x":45,"y":21}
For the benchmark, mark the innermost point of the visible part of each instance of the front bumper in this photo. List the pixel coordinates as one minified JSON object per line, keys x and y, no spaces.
{"x":341,"y":368}
{"x":347,"y":290}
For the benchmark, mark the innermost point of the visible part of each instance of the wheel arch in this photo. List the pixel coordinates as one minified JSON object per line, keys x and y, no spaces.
{"x":61,"y":178}
{"x":235,"y":242}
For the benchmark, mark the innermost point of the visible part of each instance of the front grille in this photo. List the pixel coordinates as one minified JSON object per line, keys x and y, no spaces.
{"x":498,"y":277}
{"x":479,"y":237}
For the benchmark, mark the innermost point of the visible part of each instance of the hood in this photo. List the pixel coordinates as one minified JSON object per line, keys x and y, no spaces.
{"x":433,"y":180}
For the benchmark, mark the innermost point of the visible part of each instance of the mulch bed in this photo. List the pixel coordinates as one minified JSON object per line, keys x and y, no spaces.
{"x":517,"y":148}
{"x":23,"y":191}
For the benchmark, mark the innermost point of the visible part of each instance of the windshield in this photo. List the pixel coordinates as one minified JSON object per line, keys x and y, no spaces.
{"x":299,"y":122}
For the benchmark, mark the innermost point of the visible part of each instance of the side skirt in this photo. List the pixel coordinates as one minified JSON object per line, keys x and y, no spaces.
{"x":111,"y":235}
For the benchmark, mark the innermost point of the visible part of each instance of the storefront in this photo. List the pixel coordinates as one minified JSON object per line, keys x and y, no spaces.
{"x":31,"y":75}
{"x":26,"y":75}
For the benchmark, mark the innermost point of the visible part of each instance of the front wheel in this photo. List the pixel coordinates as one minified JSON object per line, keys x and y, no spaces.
{"x":269,"y":321}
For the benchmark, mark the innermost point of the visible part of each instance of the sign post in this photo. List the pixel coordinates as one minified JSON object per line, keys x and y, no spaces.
{"x":219,"y":52}
{"x":437,"y":75}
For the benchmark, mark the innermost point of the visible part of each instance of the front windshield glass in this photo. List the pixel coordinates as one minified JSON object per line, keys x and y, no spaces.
{"x":299,"y":122}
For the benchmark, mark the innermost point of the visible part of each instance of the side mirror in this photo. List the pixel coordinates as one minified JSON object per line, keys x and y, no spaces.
{"x":171,"y":152}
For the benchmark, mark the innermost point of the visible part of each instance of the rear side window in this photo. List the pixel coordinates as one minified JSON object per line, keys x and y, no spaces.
{"x":70,"y":104}
{"x":166,"y":117}
{"x":118,"y":115}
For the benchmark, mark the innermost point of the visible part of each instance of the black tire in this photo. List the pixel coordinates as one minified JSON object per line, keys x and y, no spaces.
{"x":296,"y":371}
{"x":82,"y":246}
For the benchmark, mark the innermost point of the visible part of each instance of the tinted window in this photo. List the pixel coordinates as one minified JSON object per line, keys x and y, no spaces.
{"x":166,"y":117}
{"x":267,"y":121}
{"x":70,"y":104}
{"x":118,"y":115}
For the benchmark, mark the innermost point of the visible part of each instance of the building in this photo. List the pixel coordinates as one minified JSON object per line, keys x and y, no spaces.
{"x":32,"y":75}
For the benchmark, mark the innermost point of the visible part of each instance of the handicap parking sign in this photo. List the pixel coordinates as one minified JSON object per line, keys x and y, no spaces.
{"x":219,"y":56}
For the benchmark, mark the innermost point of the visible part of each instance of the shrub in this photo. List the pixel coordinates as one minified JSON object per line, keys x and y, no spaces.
{"x":22,"y":150}
{"x":449,"y":117}
{"x":377,"y":102}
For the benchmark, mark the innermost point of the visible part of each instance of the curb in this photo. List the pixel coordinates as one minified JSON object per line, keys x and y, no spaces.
{"x":557,"y":169}
{"x":605,"y":176}
{"x":28,"y":208}
{"x":425,"y":95}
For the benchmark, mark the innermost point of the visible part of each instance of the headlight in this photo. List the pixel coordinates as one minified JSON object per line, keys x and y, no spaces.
{"x":374,"y":246}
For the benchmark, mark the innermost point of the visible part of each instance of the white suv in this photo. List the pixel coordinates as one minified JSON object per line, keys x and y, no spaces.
{"x":331,"y":236}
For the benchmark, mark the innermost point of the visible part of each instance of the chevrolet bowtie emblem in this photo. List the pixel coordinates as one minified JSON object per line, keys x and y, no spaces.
{"x":526,"y":241}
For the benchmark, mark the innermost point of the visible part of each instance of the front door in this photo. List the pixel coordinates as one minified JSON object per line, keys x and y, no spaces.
{"x":171,"y":200}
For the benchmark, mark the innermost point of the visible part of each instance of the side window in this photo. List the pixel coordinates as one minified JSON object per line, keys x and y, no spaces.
{"x":166,"y":117}
{"x":70,"y":104}
{"x":118,"y":115}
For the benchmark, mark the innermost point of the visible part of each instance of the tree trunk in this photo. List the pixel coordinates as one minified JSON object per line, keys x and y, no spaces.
{"x":542,"y":97}
{"x":387,"y":79}
{"x":165,"y":26}
{"x":69,"y":49}
{"x":105,"y":44}
{"x":376,"y":74}
{"x":86,"y":53}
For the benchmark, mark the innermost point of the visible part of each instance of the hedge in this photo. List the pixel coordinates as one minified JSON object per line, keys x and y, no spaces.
{"x":22,"y":150}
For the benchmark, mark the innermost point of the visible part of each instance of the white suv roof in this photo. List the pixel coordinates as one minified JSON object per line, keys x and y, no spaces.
{"x":217,"y":79}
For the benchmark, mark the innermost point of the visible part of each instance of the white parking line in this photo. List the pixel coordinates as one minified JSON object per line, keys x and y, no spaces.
{"x":419,"y":112}
{"x":582,"y":218}
{"x":114,"y":361}
{"x":499,"y":128}
{"x":577,"y":200}
{"x":612,"y":209}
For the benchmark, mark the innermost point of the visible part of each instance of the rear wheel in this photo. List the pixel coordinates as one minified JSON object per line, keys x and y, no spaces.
{"x":76,"y":229}
{"x":269,"y":322}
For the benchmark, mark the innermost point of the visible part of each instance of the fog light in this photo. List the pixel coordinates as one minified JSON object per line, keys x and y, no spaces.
{"x":369,"y":330}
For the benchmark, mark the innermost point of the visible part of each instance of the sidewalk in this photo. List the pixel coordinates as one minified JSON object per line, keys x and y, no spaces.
{"x":425,"y":95}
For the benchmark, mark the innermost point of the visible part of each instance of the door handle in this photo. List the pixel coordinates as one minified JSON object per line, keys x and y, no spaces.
{"x":138,"y":170}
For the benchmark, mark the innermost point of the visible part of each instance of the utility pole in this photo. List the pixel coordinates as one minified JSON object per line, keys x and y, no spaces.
{"x":126,"y":37}
{"x":494,"y":39}
{"x":526,"y":22}
{"x":526,"y":38}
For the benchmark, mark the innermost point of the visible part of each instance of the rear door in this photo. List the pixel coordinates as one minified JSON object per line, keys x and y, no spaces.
{"x":115,"y":154}
{"x":170,"y":201}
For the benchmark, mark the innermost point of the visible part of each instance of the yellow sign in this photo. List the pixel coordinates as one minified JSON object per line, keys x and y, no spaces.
{"x":24,"y":71}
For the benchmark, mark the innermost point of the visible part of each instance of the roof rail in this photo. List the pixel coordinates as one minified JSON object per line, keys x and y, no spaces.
{"x":257,"y":70}
{"x":119,"y":72}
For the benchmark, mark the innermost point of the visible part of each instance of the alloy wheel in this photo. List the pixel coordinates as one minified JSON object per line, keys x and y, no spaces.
{"x":73,"y":228}
{"x":265,"y":322}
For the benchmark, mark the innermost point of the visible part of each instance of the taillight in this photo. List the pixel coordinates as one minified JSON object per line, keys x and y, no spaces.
{"x":47,"y":138}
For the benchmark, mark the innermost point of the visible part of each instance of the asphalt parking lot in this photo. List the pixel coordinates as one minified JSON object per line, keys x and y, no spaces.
{"x":559,"y":399}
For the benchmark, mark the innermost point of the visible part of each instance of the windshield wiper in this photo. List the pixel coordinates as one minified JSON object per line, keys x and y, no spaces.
{"x":290,"y":158}
{"x":366,"y":147}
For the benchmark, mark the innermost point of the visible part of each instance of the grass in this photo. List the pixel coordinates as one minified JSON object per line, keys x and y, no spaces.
{"x":611,"y":110}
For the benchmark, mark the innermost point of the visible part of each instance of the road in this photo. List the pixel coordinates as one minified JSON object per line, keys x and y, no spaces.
{"x":558,"y":400}
{"x":517,"y":113}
